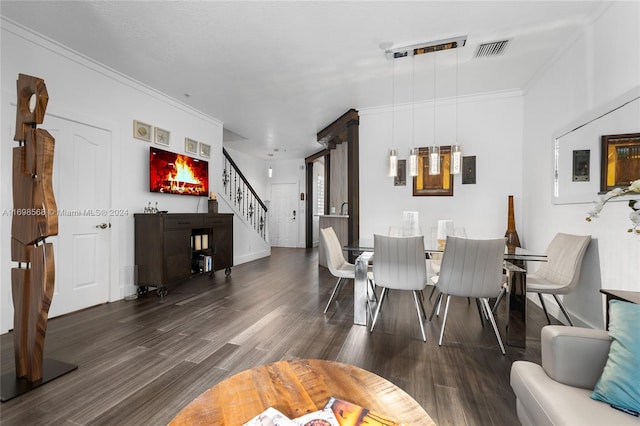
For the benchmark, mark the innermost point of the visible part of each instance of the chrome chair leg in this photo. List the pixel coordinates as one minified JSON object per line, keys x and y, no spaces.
{"x":444,"y":319}
{"x":424,"y":313}
{"x":433,"y":290}
{"x":544,"y":308}
{"x":436,"y":306}
{"x":498,"y":300}
{"x":333,"y":293}
{"x":375,"y":316}
{"x":372,"y":286}
{"x":485,"y":303}
{"x":563,"y":309}
{"x":421,"y":318}
{"x":481,"y":312}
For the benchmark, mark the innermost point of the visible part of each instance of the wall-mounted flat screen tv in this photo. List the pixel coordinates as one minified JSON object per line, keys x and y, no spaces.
{"x":173,"y":173}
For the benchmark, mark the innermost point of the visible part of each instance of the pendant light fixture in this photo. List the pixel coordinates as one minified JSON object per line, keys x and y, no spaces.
{"x":434,"y":150}
{"x":392,"y":169}
{"x":412,"y":166}
{"x":393,"y":163}
{"x":456,"y":148}
{"x":270,"y":172}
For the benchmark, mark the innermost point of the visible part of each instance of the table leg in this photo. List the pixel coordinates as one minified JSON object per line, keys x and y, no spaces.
{"x":361,"y":291}
{"x":517,"y":309}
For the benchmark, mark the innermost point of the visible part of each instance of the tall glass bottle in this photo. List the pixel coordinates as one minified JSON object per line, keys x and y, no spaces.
{"x":512,"y":235}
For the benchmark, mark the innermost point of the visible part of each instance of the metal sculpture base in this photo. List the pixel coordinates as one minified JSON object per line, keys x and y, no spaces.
{"x":13,"y":386}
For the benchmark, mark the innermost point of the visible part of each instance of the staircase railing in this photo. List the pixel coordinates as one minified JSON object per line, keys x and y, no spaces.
{"x":243,"y":197}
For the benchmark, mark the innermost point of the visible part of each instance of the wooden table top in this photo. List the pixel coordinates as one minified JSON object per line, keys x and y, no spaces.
{"x":298,"y":387}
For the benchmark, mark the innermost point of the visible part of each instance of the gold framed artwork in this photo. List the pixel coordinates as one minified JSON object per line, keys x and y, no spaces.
{"x":190,"y":146}
{"x":433,"y":185}
{"x":142,"y":131}
{"x":162,"y":137}
{"x":620,"y":160}
{"x":205,"y":150}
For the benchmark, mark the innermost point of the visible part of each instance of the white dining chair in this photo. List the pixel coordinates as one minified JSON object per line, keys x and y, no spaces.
{"x":560,"y":274}
{"x":399,"y":264}
{"x":473,"y":269}
{"x":337,"y":264}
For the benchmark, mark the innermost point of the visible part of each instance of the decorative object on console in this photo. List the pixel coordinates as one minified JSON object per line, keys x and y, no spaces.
{"x":190,"y":146}
{"x":213,"y":203}
{"x":152,"y":210}
{"x":142,"y":131}
{"x":634,"y":216}
{"x":512,"y":235}
{"x":162,"y":137}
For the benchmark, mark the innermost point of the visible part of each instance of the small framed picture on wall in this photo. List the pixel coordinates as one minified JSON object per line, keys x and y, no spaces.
{"x":162,"y":136}
{"x":190,"y":146}
{"x":142,"y":131}
{"x":205,"y":150}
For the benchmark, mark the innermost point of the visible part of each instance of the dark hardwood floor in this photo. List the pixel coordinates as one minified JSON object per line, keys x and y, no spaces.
{"x":141,"y":361}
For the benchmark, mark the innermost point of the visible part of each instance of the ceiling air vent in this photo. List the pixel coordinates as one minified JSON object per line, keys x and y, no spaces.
{"x":494,"y":48}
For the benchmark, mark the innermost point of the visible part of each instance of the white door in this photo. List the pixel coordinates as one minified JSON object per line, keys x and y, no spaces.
{"x":284,"y":215}
{"x":82,"y":187}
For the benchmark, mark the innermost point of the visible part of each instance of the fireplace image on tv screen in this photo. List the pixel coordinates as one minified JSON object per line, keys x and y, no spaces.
{"x":173,"y":173}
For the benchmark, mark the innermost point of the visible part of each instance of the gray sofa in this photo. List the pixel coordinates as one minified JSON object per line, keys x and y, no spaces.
{"x":557,"y":393}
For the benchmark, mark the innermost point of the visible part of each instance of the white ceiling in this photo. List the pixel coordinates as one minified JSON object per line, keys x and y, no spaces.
{"x":275,"y":73}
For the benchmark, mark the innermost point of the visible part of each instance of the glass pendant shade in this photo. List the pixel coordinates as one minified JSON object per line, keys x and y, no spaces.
{"x":393,"y":163}
{"x":270,"y":172}
{"x":434,"y":160}
{"x":456,"y":159}
{"x":412,"y":166}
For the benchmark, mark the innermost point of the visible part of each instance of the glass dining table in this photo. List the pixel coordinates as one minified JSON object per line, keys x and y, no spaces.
{"x":364,"y":300}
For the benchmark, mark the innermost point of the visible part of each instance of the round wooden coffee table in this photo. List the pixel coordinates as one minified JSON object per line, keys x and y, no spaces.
{"x":298,"y":387}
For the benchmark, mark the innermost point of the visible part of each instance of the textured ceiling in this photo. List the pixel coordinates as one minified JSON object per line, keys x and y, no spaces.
{"x":275,"y":73}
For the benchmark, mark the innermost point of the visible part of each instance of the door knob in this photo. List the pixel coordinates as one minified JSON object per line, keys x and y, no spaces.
{"x":103,"y":226}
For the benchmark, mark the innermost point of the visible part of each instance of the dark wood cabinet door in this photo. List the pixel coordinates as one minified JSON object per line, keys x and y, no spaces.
{"x":177,"y":254}
{"x":223,"y":244}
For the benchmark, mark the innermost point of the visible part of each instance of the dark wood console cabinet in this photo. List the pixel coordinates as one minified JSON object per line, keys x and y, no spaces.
{"x":165,"y":252}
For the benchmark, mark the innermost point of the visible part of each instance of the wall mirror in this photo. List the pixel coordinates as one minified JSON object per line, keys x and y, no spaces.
{"x":577,"y":148}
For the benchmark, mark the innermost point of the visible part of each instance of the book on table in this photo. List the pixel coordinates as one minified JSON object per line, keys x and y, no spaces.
{"x":336,"y":412}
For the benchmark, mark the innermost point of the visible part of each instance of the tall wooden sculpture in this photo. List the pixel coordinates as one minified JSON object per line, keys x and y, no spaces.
{"x":34,"y":219}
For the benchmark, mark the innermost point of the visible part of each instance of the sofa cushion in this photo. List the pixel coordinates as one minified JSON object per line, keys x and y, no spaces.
{"x":619,"y":384}
{"x":543,"y":401}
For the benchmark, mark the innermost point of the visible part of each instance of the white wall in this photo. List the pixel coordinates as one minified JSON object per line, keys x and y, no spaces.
{"x":596,"y":68}
{"x":91,"y":93}
{"x":489,"y":127}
